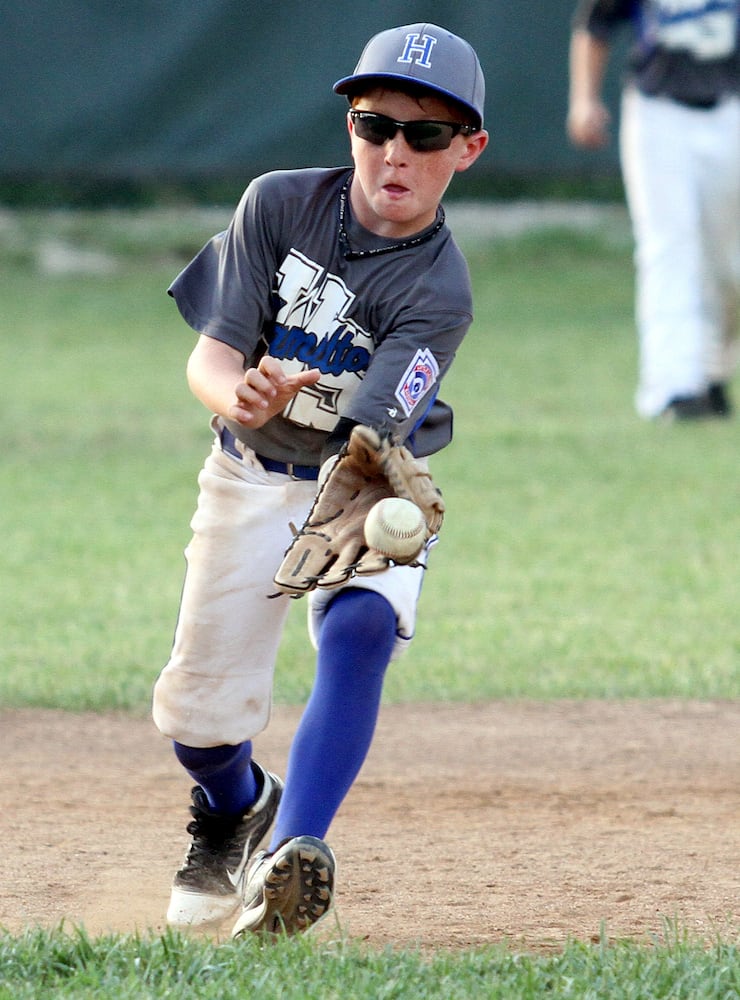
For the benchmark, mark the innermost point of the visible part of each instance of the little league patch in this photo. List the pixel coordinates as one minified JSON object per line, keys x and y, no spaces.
{"x":418,"y":377}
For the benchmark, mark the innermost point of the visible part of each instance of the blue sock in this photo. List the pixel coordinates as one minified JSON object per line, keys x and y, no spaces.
{"x":337,"y":727}
{"x":224,"y":773}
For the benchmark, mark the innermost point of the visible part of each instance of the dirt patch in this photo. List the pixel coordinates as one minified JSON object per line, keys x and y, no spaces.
{"x":521,"y":822}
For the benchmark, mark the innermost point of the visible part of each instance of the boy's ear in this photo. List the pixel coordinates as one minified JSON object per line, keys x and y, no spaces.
{"x":474,"y":146}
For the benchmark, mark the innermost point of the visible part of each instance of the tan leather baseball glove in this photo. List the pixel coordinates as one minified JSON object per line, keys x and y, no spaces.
{"x":330,"y":547}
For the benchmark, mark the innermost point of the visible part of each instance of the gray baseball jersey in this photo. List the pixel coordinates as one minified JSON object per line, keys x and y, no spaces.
{"x":297,"y":277}
{"x":684,"y":49}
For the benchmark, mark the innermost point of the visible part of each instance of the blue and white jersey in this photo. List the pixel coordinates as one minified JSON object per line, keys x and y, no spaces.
{"x":382,"y":322}
{"x":684,"y":49}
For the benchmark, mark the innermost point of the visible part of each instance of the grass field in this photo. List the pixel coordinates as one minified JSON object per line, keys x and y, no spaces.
{"x":585,"y":554}
{"x":77,"y":967}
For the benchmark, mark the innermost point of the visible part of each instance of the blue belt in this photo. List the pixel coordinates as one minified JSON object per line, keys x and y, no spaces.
{"x":228,"y":444}
{"x":699,"y":103}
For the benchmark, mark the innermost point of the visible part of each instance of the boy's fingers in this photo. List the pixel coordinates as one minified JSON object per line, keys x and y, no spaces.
{"x":309,"y":376}
{"x":271,"y":369}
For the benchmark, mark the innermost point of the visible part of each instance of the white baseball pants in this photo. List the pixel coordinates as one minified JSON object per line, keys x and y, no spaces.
{"x":681,"y":169}
{"x":217,"y":685}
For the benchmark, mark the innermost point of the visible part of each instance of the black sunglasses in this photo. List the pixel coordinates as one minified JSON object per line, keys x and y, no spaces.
{"x":423,"y":136}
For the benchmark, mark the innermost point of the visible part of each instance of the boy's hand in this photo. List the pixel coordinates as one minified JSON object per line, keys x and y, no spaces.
{"x":588,"y":123}
{"x":266,"y":390}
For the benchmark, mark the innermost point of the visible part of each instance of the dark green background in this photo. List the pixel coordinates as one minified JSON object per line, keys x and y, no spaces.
{"x":184,"y":89}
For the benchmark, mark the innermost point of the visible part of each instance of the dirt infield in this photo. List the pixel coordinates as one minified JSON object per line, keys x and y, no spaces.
{"x":519,"y":822}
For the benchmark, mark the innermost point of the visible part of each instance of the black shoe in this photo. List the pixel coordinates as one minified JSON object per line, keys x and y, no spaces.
{"x":719,"y":400}
{"x":208,"y":887}
{"x":688,"y":408}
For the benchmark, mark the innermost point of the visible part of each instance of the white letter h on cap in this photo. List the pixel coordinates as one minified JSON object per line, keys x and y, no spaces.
{"x":422,"y":50}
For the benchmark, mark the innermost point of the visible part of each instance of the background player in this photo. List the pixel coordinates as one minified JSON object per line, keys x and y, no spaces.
{"x":680,"y":152}
{"x":337,"y":297}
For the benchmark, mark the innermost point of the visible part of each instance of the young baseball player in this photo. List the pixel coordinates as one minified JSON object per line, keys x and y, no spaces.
{"x":680,"y":151}
{"x":328,"y":314}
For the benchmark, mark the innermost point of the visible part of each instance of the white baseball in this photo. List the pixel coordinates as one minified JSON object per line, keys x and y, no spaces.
{"x":396,"y":528}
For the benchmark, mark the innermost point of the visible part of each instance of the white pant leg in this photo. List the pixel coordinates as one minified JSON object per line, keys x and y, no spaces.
{"x":217,"y":686}
{"x":401,"y":587}
{"x":656,"y":141}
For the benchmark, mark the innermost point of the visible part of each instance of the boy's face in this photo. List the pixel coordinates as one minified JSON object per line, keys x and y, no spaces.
{"x":396,"y":189}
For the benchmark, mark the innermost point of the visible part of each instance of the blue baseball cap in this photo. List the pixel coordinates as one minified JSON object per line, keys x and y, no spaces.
{"x":423,"y":54}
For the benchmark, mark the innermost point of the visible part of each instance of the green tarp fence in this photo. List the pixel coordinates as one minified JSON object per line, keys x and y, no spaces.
{"x":154,"y":90}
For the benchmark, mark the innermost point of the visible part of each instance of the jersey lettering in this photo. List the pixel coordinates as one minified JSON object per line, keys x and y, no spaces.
{"x":705,"y":28}
{"x":313,"y":330}
{"x":332,"y":354}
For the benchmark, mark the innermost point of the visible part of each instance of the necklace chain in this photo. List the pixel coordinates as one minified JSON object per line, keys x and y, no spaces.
{"x":346,"y":247}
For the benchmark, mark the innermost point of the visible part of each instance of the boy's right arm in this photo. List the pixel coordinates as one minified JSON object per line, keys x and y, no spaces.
{"x":588,"y":116}
{"x":252,"y":396}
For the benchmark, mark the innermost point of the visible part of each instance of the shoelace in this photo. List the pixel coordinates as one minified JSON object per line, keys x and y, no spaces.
{"x":211,"y":837}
